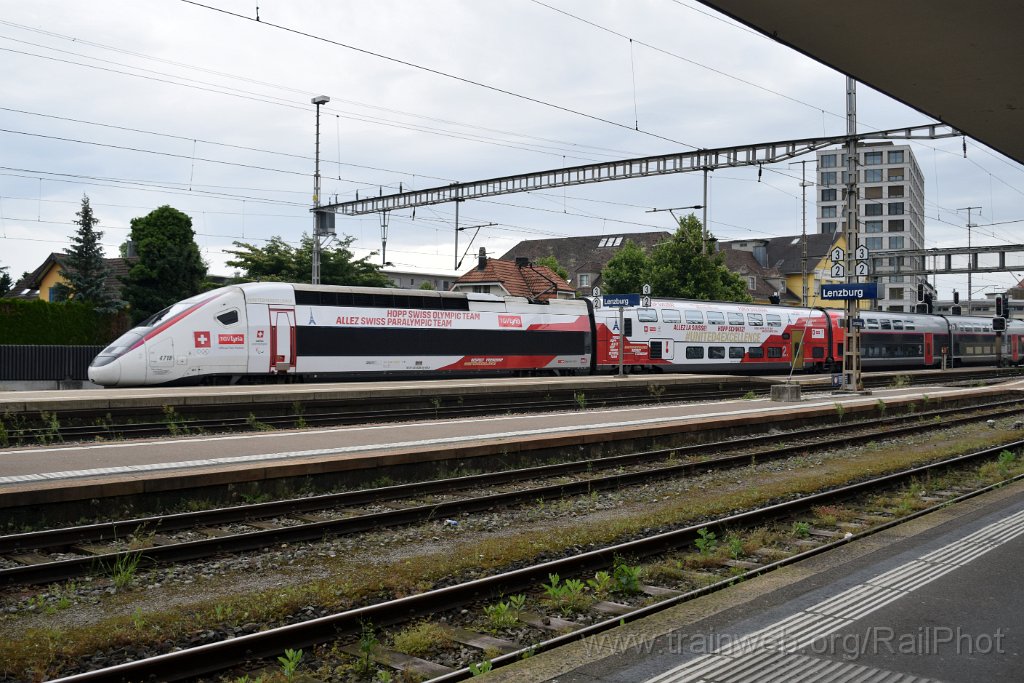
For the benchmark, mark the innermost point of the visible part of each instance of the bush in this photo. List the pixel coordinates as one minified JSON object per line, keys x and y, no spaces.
{"x":63,"y":324}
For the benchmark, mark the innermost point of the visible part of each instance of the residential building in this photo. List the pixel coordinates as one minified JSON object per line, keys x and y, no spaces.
{"x":513,"y":278}
{"x":890,"y":211}
{"x":583,"y":257}
{"x":412,"y":278}
{"x":39,"y":283}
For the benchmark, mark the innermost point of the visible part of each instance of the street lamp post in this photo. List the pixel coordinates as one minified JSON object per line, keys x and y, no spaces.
{"x":318,"y":100}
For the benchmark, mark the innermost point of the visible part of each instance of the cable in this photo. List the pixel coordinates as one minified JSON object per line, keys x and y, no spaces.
{"x":438,"y":72}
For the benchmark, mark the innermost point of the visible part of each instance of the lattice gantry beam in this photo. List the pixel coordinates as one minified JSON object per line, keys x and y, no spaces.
{"x":644,"y":167}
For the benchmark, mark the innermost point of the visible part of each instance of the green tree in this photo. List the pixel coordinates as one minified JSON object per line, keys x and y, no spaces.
{"x":84,"y":267}
{"x":279,"y":261}
{"x":427,"y":285}
{"x":5,"y":281}
{"x":627,"y":271}
{"x":676,"y":268}
{"x":551,"y":262}
{"x":169,"y":268}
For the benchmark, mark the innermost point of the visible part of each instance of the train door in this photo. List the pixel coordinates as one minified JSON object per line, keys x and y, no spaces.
{"x":929,"y":349}
{"x":282,"y":339}
{"x":796,"y":340}
{"x":661,"y":349}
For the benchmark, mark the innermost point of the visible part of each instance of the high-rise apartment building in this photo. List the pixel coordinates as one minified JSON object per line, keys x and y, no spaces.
{"x":890,"y":211}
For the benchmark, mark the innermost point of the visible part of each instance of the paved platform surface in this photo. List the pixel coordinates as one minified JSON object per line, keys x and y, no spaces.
{"x":937,"y":599}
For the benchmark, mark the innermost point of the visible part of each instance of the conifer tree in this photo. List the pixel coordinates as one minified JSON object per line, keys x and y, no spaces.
{"x":84,"y":269}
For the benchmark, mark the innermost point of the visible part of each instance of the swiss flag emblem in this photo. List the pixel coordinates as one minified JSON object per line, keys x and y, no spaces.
{"x":202,"y":339}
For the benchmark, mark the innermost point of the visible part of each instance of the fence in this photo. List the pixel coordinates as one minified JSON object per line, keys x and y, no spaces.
{"x":41,"y":363}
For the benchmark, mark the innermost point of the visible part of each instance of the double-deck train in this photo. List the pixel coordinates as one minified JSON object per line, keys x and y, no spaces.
{"x":266,"y":332}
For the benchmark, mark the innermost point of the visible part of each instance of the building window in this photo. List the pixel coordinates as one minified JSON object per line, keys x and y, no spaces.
{"x":828,"y":195}
{"x":828,"y":212}
{"x":828,"y":227}
{"x":895,"y":278}
{"x":828,"y":160}
{"x":828,"y":178}
{"x":896,"y":191}
{"x":873,"y":242}
{"x":873,"y":226}
{"x":896,"y":225}
{"x":896,"y":292}
{"x":872,"y":158}
{"x":873,"y":192}
{"x":873,"y":175}
{"x":895,"y":242}
{"x":896,"y":156}
{"x":584,"y":279}
{"x":751,"y":282}
{"x":481,"y":289}
{"x":895,"y":208}
{"x":872,"y":209}
{"x":895,"y":174}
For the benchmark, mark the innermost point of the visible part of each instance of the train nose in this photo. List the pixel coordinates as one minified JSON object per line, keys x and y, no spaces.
{"x":105,"y":375}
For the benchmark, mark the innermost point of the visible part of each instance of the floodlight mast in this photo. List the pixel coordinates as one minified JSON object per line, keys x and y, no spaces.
{"x":317,"y":221}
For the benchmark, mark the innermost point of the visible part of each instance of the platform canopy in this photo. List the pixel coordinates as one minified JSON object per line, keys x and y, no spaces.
{"x":959,"y":62}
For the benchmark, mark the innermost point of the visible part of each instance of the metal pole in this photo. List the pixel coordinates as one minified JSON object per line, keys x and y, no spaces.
{"x":315,"y":275}
{"x":851,"y":335}
{"x":457,"y":201}
{"x":704,"y":227}
{"x":622,"y":340}
{"x":970,"y":256}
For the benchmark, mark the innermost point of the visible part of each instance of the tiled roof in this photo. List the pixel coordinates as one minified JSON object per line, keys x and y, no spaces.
{"x":28,"y":287}
{"x":532,"y":282}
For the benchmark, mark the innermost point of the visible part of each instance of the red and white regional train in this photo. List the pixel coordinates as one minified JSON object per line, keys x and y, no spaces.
{"x":260,"y":332}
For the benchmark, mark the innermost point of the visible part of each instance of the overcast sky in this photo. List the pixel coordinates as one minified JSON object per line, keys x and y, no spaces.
{"x":140,"y":104}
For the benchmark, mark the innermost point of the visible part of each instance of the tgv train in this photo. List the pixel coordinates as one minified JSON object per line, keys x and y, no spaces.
{"x":266,"y":332}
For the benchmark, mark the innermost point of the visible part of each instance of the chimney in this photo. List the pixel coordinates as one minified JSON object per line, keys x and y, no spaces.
{"x":482,"y":262}
{"x":522,"y":261}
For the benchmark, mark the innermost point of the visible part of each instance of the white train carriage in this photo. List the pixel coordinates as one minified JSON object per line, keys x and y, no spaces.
{"x":278,"y":331}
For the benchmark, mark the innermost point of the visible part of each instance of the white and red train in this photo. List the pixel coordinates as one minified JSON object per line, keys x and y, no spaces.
{"x":260,"y":332}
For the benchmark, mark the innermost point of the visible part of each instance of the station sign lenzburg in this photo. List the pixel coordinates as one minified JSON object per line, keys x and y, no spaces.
{"x":865,"y":290}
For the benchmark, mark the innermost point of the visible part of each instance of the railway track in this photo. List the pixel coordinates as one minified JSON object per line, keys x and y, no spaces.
{"x":129,"y":423}
{"x":346,"y":631}
{"x":182,"y":537}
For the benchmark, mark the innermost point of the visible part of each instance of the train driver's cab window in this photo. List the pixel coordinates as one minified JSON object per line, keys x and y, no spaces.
{"x":897,"y":324}
{"x":774,"y":320}
{"x":735,"y":318}
{"x":755,"y":319}
{"x":716,"y":352}
{"x":228,"y":317}
{"x":886,"y":324}
{"x":693,"y":317}
{"x":755,"y":352}
{"x":736,"y":352}
{"x":670,"y":315}
{"x":716,"y":318}
{"x":694,"y":352}
{"x":872,"y":323}
{"x":647,"y":315}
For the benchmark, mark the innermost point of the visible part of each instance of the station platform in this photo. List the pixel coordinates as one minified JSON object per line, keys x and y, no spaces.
{"x":935,"y":599}
{"x":84,"y":472}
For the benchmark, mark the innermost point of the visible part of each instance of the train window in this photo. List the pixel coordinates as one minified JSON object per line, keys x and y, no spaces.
{"x":738,"y":351}
{"x":774,"y":320}
{"x":716,"y":318}
{"x":693,"y":317}
{"x":775,"y":352}
{"x":647,"y":315}
{"x":755,"y":319}
{"x":716,"y":352}
{"x":655,"y":351}
{"x":735,"y":318}
{"x":628,"y":323}
{"x":694,"y":352}
{"x":817,"y":352}
{"x":909,"y":324}
{"x":897,"y":324}
{"x":228,"y":317}
{"x":755,"y":352}
{"x":886,"y":325}
{"x":872,"y":323}
{"x":671,"y":315}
